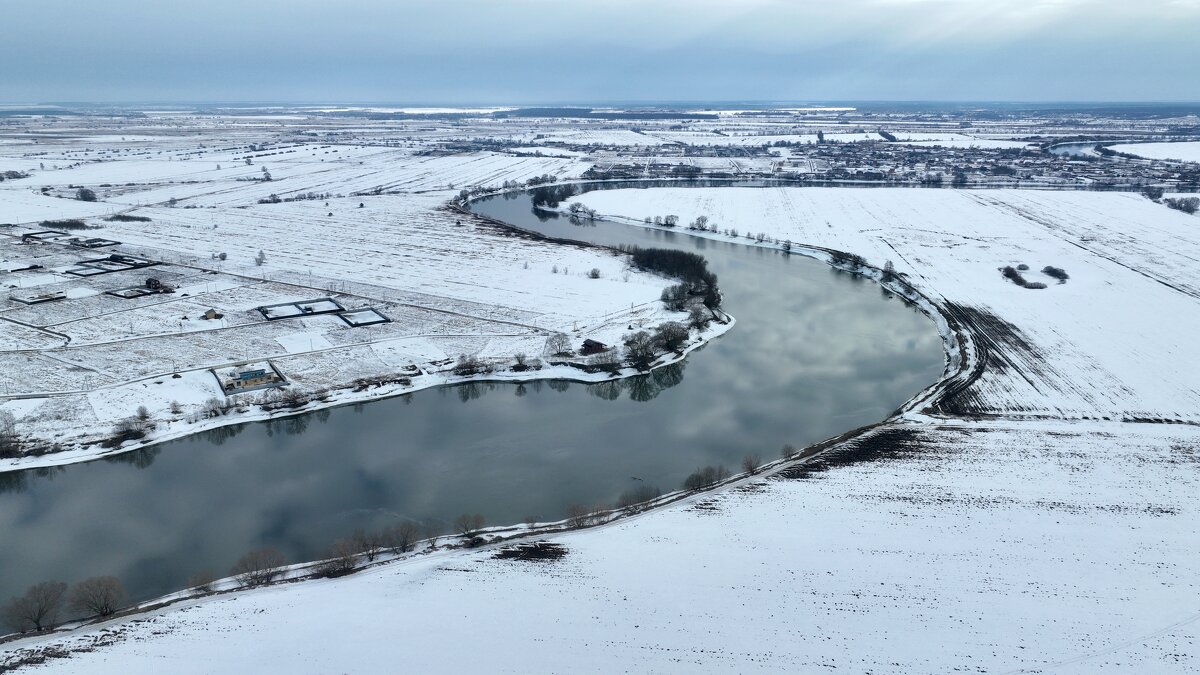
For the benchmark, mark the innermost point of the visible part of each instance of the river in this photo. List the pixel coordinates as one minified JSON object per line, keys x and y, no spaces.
{"x":814,"y":353}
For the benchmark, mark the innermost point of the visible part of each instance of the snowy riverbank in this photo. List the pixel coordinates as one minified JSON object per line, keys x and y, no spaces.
{"x":349,"y":396}
{"x":1038,"y":515}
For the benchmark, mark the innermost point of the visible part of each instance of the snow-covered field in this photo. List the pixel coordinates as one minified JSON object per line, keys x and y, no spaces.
{"x":1037,"y":514}
{"x":1011,"y":548}
{"x":1119,"y":250}
{"x":71,"y":368}
{"x":1187,"y":151}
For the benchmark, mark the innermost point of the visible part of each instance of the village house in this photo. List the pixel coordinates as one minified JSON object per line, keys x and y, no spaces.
{"x":592,"y":347}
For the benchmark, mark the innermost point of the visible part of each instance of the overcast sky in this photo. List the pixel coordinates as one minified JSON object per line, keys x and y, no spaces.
{"x":540,"y":51}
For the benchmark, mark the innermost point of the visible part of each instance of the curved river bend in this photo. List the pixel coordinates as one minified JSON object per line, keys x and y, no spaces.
{"x":814,"y":353}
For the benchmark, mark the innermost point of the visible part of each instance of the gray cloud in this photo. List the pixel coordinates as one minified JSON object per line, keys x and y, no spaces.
{"x":545,"y":50}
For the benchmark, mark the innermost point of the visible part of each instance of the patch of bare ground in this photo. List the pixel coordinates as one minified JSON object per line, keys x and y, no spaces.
{"x":536,"y":551}
{"x":883,"y":443}
{"x":1002,"y":348}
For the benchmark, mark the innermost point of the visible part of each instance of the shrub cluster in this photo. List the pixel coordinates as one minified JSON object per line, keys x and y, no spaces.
{"x":1014,"y":276}
{"x":67,"y":224}
{"x":1056,"y":272}
{"x":688,"y":267}
{"x":1185,"y":204}
{"x":469,"y":365}
{"x":706,"y":477}
{"x":852,"y":261}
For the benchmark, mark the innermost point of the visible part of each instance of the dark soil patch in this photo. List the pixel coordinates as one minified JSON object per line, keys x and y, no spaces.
{"x":1002,"y":348}
{"x":538,"y":551}
{"x":885,"y":444}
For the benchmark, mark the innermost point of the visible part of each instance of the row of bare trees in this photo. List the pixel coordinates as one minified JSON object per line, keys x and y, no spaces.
{"x":42,"y":603}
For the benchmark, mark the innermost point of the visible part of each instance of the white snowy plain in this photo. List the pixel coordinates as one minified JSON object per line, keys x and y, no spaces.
{"x":1044,"y":522}
{"x":458,"y":285}
{"x":1031,"y":535}
{"x":1185,"y":151}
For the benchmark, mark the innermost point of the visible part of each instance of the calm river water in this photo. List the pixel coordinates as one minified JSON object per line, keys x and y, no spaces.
{"x":815,"y":353}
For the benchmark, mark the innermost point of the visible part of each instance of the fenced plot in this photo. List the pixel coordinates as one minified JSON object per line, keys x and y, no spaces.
{"x":133,"y":292}
{"x":92,"y":242}
{"x":43,"y":235}
{"x":367,"y":316}
{"x":248,"y":377}
{"x":39,"y":298}
{"x":113,"y":263}
{"x":291,"y":310}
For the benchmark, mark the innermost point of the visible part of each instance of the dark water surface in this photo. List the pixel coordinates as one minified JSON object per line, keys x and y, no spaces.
{"x":815,"y":353}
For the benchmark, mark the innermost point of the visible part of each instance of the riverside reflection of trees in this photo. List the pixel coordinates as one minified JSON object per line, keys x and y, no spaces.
{"x":473,"y":390}
{"x":221,"y":434}
{"x":20,"y":481}
{"x":290,"y":426}
{"x":14,"y":481}
{"x":551,"y":195}
{"x":641,"y":388}
{"x":668,"y":376}
{"x":607,"y":391}
{"x":140,"y":458}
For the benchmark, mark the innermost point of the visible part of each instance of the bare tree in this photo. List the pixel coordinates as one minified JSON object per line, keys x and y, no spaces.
{"x":581,"y":515}
{"x":558,"y":343}
{"x":100,"y":596}
{"x":367,"y":543}
{"x":675,"y":297}
{"x":202,"y":581}
{"x":706,"y":477}
{"x":889,"y":272}
{"x":1152,"y":193}
{"x":260,"y":258}
{"x":577,"y":515}
{"x":788,"y":451}
{"x":638,"y":495}
{"x":9,"y":442}
{"x":85,"y":195}
{"x":671,"y":335}
{"x":468,"y":364}
{"x":258,"y":567}
{"x":639,"y":350}
{"x":521,"y":358}
{"x":339,"y":559}
{"x":750,"y":463}
{"x":401,"y":537}
{"x":699,"y":316}
{"x":608,"y":360}
{"x":433,"y":531}
{"x":468,"y":525}
{"x":38,"y":608}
